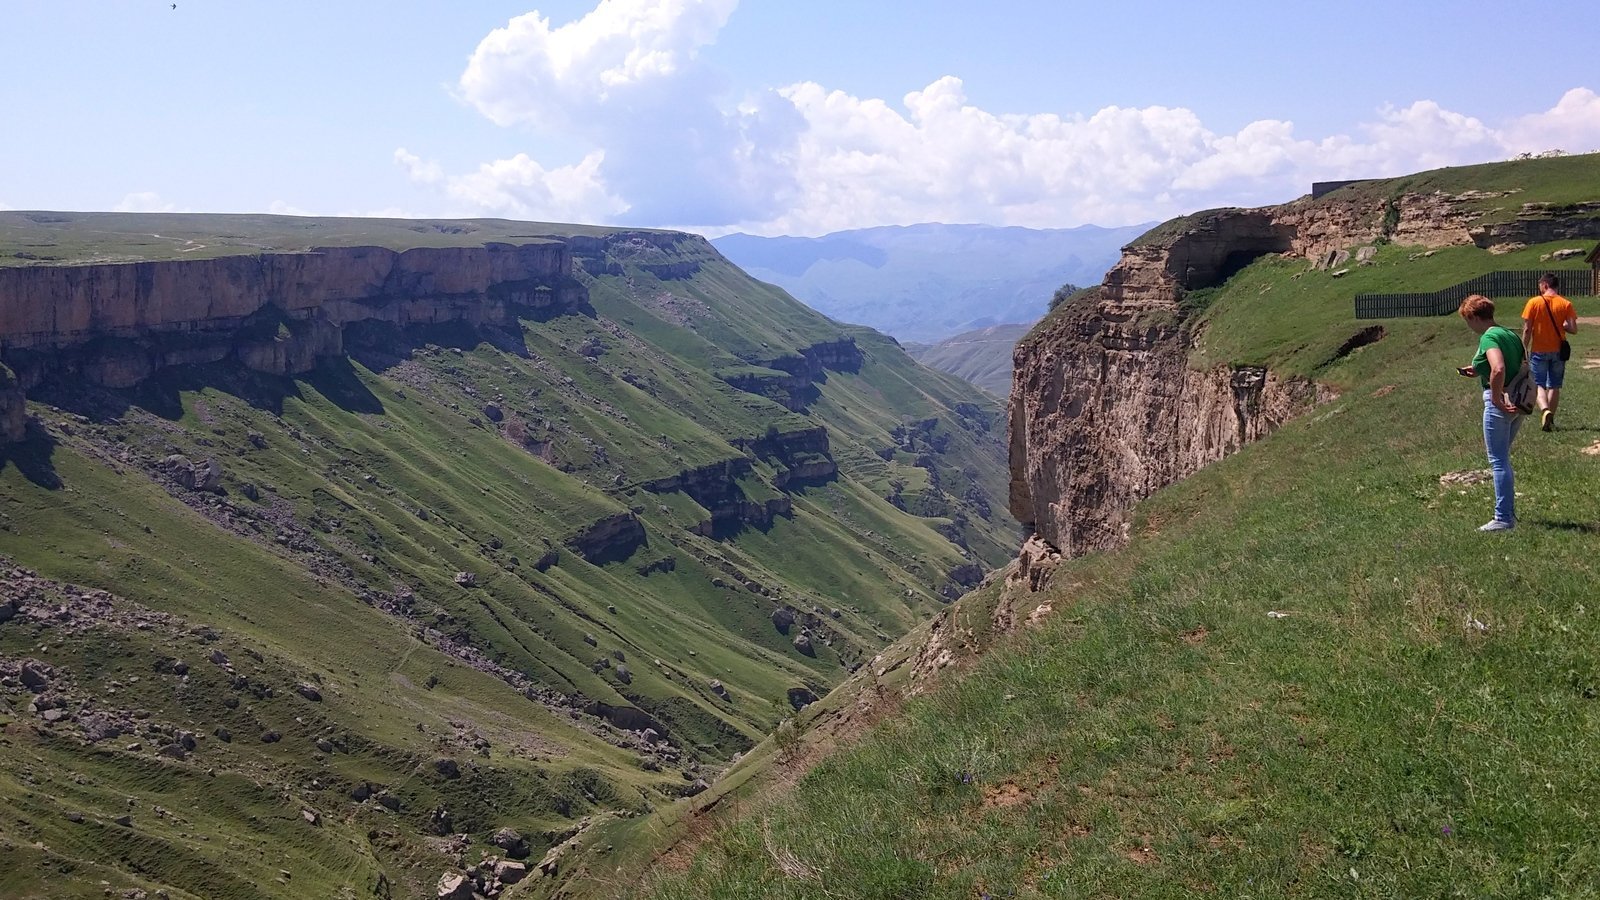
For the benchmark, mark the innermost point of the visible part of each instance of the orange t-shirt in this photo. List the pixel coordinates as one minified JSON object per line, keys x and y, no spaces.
{"x":1547,"y":338}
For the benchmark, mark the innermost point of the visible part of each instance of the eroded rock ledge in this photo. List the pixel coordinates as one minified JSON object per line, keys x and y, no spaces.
{"x":1105,"y":408}
{"x":115,"y":325}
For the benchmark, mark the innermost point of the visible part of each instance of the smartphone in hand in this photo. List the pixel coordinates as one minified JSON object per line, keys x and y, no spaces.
{"x":1466,"y":371}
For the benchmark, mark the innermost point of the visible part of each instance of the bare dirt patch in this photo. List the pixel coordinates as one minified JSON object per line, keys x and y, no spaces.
{"x":1005,"y":794}
{"x":1384,"y":391}
{"x":1196,"y":636}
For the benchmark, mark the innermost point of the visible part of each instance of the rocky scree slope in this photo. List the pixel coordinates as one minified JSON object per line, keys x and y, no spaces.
{"x":370,"y":567}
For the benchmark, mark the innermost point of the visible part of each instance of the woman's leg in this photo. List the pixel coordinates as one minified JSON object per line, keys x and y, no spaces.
{"x":1498,"y":431}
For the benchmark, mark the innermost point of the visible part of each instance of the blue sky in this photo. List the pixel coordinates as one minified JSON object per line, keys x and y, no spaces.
{"x":770,"y":116}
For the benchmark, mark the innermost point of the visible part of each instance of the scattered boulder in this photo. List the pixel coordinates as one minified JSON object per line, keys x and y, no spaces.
{"x":718,"y":689}
{"x":623,"y":675}
{"x":493,"y":413}
{"x":361,"y":792}
{"x":801,"y":697}
{"x":783,"y":618}
{"x":219,"y":658}
{"x":309,"y":692}
{"x":802,"y":642}
{"x":174,"y":751}
{"x":447,"y":767}
{"x":512,"y":842}
{"x":179,"y":667}
{"x":1568,"y":253}
{"x":324,"y":745}
{"x":695,"y":788}
{"x":440,"y":821}
{"x":270,"y":737}
{"x":223,"y":735}
{"x":186,"y":740}
{"x":8,"y":610}
{"x":126,"y":821}
{"x":389,"y":801}
{"x":97,"y":727}
{"x":466,"y":579}
{"x":311,"y":816}
{"x":1364,"y":255}
{"x":36,"y":676}
{"x":454,"y":886}
{"x":508,"y":872}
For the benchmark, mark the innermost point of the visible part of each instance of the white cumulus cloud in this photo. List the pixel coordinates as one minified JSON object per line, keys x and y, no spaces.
{"x":145,"y":201}
{"x":668,"y":142}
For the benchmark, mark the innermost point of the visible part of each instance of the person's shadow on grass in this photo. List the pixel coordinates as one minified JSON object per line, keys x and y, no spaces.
{"x":1561,"y":525}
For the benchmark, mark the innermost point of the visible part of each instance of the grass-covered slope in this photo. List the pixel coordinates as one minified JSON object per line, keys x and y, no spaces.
{"x":1307,"y":675}
{"x":982,"y":357}
{"x":439,"y":593}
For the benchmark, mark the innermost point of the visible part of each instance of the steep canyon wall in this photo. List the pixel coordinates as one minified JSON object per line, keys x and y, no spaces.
{"x":114,"y":325}
{"x":1106,"y":407}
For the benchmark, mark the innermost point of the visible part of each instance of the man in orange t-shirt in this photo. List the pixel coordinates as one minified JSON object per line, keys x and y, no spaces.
{"x":1546,"y":321}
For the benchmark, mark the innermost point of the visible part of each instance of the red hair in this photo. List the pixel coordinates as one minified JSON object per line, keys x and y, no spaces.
{"x":1477,"y":306}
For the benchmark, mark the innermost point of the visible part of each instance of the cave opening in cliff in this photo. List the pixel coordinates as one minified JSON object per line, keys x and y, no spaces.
{"x":1210,"y":263}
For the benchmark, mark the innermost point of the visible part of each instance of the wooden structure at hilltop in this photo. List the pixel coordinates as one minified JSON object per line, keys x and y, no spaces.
{"x":1593,"y":259}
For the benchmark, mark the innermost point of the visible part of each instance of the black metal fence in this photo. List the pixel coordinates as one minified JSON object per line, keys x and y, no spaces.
{"x":1513,"y":283}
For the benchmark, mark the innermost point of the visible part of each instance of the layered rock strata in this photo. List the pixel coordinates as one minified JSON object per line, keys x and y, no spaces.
{"x":115,"y":325}
{"x":1105,"y":408}
{"x":792,"y":379}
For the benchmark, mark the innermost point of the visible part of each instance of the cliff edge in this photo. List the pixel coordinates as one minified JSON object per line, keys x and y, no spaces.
{"x":1108,"y":403}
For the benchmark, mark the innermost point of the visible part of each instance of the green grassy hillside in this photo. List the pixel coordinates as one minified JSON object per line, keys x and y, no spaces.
{"x":1308,"y":674}
{"x":396,"y":627}
{"x":982,"y":357}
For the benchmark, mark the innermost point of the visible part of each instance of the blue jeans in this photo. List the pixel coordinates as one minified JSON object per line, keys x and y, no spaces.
{"x":1549,"y":369}
{"x":1499,"y":430}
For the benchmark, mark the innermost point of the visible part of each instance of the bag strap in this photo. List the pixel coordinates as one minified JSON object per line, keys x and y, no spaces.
{"x":1552,"y":318}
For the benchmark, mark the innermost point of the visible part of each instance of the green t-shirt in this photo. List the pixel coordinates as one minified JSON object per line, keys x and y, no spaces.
{"x":1510,"y":347}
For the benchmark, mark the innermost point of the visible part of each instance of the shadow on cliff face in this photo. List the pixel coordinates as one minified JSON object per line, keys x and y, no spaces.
{"x":32,"y":456}
{"x":380,"y":346}
{"x":335,"y":379}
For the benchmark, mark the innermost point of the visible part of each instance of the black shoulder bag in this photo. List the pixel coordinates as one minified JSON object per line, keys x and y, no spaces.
{"x":1566,"y":346}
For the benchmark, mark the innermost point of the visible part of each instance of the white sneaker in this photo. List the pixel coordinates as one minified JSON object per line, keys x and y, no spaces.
{"x":1496,"y":525}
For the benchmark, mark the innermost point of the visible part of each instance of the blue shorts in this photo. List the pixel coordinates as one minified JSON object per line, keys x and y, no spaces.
{"x":1549,"y":369}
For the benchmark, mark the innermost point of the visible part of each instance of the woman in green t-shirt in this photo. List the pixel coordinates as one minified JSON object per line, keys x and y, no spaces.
{"x":1498,"y":360}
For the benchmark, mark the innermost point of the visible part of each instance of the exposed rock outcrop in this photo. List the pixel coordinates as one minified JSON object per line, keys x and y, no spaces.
{"x":792,"y":379}
{"x":115,"y":325}
{"x":13,"y":407}
{"x":609,"y":539}
{"x":1105,"y":409}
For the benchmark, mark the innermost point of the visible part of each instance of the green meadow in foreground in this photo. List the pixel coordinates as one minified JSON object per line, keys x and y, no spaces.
{"x":1308,"y":675}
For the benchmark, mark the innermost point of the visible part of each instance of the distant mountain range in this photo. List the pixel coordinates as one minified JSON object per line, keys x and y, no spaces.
{"x":928,"y":282}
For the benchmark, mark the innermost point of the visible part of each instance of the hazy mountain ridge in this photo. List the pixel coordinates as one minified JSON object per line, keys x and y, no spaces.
{"x":928,"y":282}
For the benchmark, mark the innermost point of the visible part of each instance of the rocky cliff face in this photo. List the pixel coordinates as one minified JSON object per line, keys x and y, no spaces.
{"x":1105,"y":411}
{"x":13,"y":407}
{"x":796,"y":386}
{"x":116,"y":325}
{"x":1105,"y":408}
